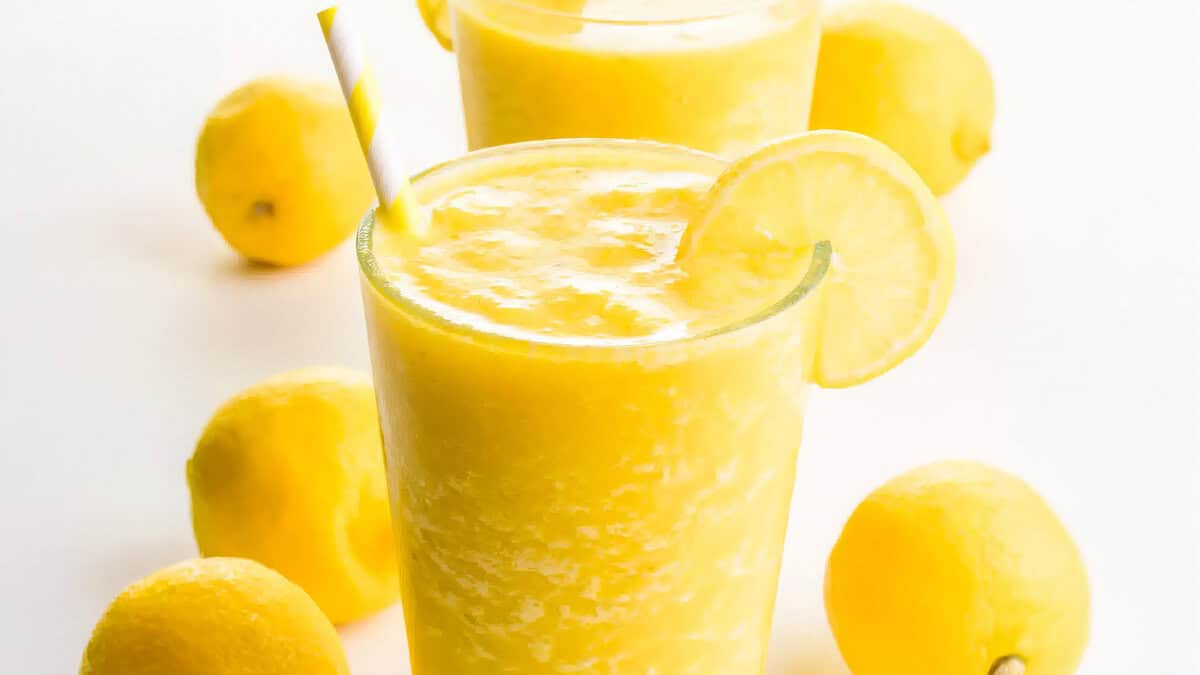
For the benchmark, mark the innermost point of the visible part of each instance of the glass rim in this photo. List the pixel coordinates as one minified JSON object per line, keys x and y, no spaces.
{"x":524,"y":6}
{"x":373,"y":272}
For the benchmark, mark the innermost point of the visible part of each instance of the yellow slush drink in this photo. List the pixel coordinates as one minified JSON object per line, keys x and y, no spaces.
{"x":719,"y":75}
{"x":590,"y":454}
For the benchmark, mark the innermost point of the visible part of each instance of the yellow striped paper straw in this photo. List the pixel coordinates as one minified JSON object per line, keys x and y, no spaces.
{"x":357,"y":77}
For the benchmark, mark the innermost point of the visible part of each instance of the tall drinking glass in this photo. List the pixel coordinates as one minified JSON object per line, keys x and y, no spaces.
{"x":719,"y":75}
{"x":575,"y":505}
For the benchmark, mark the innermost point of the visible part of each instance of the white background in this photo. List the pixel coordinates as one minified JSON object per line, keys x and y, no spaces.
{"x":1068,"y":355}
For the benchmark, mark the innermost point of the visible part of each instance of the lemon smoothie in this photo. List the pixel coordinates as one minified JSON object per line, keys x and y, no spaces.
{"x":719,"y":75}
{"x":590,"y":453}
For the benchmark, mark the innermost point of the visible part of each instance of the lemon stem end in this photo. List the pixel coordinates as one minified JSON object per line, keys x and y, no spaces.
{"x":1008,"y":665}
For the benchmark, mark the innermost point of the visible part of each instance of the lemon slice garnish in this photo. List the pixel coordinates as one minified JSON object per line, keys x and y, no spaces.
{"x":893,"y":252}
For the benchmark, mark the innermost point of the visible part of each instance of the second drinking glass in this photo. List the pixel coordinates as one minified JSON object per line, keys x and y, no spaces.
{"x":717,"y":75}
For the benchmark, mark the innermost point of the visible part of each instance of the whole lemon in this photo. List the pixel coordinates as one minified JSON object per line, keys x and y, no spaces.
{"x":217,"y":616}
{"x":957,"y":568}
{"x":290,"y":473}
{"x":279,"y":171}
{"x":910,"y":80}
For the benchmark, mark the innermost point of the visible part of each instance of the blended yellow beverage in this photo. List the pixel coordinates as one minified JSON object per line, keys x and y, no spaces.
{"x":590,"y":453}
{"x":719,"y":75}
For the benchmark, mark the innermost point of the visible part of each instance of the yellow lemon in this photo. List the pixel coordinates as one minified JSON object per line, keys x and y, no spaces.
{"x":218,"y":616}
{"x":290,"y":473}
{"x":279,"y":170}
{"x":892,"y":267}
{"x":957,"y":568}
{"x":910,"y":80}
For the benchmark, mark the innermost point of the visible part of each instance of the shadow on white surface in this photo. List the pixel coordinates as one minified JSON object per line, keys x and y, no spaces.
{"x":806,"y":653}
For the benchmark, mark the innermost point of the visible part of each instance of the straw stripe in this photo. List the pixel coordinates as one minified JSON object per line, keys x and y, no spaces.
{"x":325,"y":16}
{"x":391,"y":178}
{"x":346,"y":51}
{"x":364,"y":106}
{"x":361,"y":91}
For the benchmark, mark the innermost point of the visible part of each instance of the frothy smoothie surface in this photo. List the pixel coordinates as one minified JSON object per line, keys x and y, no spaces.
{"x":567,"y":243}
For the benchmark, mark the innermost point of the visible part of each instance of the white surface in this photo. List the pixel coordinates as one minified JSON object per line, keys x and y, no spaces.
{"x":1069,"y":353}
